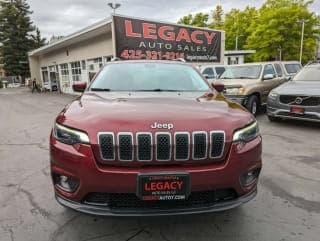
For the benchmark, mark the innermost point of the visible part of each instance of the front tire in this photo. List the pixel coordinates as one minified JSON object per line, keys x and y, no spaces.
{"x":253,"y":105}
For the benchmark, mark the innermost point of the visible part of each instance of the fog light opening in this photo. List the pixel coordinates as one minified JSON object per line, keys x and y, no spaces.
{"x":65,"y":183}
{"x":250,"y":177}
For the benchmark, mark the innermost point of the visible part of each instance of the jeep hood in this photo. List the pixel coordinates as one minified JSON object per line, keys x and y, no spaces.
{"x":97,"y":112}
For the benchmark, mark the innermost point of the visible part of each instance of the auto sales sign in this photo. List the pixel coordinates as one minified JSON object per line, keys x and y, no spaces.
{"x":144,"y":39}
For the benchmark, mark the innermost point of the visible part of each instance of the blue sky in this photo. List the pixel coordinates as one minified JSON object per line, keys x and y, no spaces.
{"x":62,"y":17}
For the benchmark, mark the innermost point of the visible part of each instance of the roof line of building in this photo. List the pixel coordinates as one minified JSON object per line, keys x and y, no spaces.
{"x":74,"y":35}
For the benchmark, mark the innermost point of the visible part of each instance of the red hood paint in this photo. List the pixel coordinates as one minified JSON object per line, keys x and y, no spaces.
{"x":97,"y":112}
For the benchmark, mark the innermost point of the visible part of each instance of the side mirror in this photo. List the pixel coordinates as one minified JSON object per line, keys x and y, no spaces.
{"x":268,"y":76}
{"x":79,"y":87}
{"x":218,"y":87}
{"x":289,"y":78}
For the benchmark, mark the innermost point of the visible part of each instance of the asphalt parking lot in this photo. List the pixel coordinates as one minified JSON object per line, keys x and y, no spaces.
{"x":287,"y":206}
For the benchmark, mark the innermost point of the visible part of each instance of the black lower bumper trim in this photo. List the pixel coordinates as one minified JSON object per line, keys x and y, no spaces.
{"x":105,"y":211}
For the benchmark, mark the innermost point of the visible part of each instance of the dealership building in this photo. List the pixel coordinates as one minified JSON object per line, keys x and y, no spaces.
{"x":79,"y":56}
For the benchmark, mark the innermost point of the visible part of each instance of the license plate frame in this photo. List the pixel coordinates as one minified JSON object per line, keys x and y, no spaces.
{"x":168,"y":186}
{"x":297,"y":110}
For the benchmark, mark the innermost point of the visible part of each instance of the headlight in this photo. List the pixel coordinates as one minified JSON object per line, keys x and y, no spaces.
{"x":273,"y":95}
{"x":69,"y":136}
{"x":247,"y":134}
{"x":235,"y":91}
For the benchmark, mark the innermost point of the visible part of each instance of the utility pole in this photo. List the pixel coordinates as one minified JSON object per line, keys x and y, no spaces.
{"x":237,"y":38}
{"x":302,"y":37}
{"x":114,"y":6}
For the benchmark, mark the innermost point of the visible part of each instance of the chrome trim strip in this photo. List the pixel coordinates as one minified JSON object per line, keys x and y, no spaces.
{"x":170,"y":140}
{"x":206,"y":153}
{"x":114,"y":154}
{"x":224,"y":142}
{"x":144,"y":133}
{"x":175,"y":145}
{"x":128,"y":134}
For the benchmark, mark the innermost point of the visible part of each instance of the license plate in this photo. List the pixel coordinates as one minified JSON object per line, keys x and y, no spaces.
{"x":163,"y":186}
{"x":297,"y":110}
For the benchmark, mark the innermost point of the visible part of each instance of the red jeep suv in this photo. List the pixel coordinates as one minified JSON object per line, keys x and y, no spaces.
{"x":153,"y":138}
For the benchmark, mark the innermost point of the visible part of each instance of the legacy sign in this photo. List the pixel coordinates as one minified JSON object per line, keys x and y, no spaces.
{"x":143,"y":39}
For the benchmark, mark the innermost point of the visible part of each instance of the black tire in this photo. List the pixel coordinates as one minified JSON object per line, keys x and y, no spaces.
{"x":272,"y":118}
{"x":253,"y":104}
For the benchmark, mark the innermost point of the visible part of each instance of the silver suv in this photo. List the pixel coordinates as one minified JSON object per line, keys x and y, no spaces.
{"x":297,"y":99}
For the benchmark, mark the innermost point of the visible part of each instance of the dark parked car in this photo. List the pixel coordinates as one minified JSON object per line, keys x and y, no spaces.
{"x":297,"y":99}
{"x":153,"y":138}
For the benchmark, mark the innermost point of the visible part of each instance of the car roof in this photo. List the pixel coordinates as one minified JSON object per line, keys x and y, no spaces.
{"x":213,"y":65}
{"x":150,"y":61}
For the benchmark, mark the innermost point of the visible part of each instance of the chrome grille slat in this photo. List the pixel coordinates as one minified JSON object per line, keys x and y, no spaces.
{"x":163,"y":146}
{"x":199,"y":145}
{"x":106,"y":143}
{"x":125,"y":146}
{"x":181,"y":146}
{"x":144,"y":146}
{"x":217,"y":142}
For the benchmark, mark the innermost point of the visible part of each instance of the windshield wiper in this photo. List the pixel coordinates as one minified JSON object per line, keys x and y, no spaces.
{"x":159,"y":90}
{"x":99,"y":89}
{"x":243,"y":77}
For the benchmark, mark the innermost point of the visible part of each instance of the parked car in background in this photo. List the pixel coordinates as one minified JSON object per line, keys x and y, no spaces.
{"x":297,"y":99}
{"x":290,"y":68}
{"x":212,"y":72}
{"x":250,"y":84}
{"x":153,"y":138}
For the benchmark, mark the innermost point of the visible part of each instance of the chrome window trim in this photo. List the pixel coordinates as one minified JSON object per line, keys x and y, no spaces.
{"x":174,"y":143}
{"x":206,"y":153}
{"x":170,"y":140}
{"x":224,"y":142}
{"x":114,"y":149}
{"x":118,"y":143}
{"x":144,"y":133}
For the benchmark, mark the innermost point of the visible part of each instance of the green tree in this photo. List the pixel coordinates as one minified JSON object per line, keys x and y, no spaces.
{"x":38,"y":41}
{"x":15,"y":35}
{"x":237,"y":26}
{"x":217,"y":16}
{"x":277,"y":31}
{"x":198,"y":20}
{"x":187,"y":20}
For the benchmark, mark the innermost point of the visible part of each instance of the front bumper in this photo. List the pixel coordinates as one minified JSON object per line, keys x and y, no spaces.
{"x":282,"y":111}
{"x":78,"y":161}
{"x":105,"y":211}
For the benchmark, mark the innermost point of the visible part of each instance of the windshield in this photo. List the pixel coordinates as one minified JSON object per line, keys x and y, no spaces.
{"x":242,"y":72}
{"x":308,"y":74}
{"x":149,"y":77}
{"x":292,"y":68}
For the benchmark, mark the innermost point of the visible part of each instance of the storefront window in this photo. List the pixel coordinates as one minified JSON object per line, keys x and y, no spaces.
{"x":76,"y":71}
{"x":65,"y":75}
{"x":45,"y":75}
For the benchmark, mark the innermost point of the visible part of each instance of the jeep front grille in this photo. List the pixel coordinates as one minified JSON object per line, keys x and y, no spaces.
{"x":161,"y":146}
